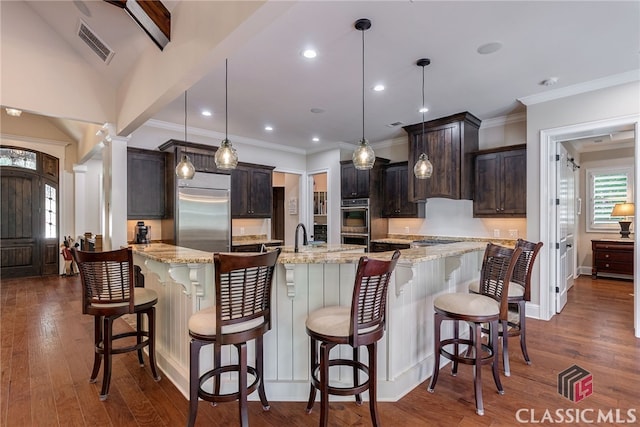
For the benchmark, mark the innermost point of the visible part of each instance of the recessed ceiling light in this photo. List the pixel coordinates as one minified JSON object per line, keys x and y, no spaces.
{"x":315,"y":139}
{"x":488,"y":48}
{"x":423,"y":110}
{"x":309,"y":53}
{"x":206,"y":113}
{"x":268,"y":128}
{"x":317,"y":110}
{"x":378,"y":87}
{"x":549,"y":82}
{"x":13,"y":112}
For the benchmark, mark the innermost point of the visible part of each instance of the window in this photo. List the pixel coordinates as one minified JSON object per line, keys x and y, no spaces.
{"x":17,"y":158}
{"x":607,"y":186}
{"x":50,"y":212}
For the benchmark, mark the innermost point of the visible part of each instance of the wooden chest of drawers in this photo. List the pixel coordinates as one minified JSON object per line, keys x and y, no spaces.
{"x":612,"y":256}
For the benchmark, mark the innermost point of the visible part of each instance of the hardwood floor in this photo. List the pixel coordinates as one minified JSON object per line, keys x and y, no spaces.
{"x":46,"y":358}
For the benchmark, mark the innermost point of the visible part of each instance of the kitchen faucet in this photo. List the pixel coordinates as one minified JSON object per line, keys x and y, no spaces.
{"x":304,"y":236}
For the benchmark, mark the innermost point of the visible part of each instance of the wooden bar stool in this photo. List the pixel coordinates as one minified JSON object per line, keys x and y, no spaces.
{"x":242,"y":313}
{"x":489,"y":306}
{"x":361,"y":324}
{"x":108,"y":292}
{"x":519,"y":294}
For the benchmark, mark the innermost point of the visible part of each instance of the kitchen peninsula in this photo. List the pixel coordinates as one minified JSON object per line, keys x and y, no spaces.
{"x":316,"y":276}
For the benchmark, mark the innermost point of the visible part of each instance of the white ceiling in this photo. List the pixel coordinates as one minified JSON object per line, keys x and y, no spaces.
{"x":270,"y":83}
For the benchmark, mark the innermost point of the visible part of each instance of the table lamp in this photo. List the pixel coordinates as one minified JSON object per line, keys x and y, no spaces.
{"x":626,"y":210}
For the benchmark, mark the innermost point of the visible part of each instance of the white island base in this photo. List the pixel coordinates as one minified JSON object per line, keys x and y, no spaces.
{"x":302,"y":284}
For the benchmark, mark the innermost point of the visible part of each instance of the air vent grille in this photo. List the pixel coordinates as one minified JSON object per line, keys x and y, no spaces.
{"x":95,"y":43}
{"x":394,"y":124}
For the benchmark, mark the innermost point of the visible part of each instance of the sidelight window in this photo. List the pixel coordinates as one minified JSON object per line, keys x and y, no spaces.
{"x":50,"y":212}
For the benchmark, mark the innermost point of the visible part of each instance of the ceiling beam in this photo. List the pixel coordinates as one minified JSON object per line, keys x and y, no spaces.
{"x":151,"y":15}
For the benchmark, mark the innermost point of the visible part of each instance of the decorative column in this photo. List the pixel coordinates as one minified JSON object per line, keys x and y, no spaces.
{"x":80,"y":191}
{"x":114,"y":164}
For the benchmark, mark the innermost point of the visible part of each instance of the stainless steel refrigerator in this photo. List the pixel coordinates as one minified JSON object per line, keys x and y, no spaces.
{"x":204,"y":214}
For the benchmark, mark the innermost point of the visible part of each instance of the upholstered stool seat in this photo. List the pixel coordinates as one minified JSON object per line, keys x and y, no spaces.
{"x":488,"y":307}
{"x":360,"y":324}
{"x":108,"y":293}
{"x":242,"y":313}
{"x":516,"y":290}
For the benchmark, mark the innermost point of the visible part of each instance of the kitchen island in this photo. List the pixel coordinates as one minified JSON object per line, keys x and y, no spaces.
{"x":303,"y":282}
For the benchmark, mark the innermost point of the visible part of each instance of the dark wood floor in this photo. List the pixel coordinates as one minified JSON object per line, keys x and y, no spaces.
{"x":46,"y":358}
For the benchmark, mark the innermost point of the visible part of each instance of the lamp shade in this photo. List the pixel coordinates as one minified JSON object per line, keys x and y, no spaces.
{"x":423,"y":167}
{"x":623,"y":209}
{"x":185,"y":169}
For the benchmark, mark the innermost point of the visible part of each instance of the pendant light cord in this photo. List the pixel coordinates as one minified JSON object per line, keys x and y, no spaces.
{"x":363,"y":140}
{"x":226,"y":102}
{"x":423,"y":106}
{"x":185,"y":116}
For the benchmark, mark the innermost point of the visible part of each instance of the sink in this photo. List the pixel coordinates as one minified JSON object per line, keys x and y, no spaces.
{"x":431,"y":242}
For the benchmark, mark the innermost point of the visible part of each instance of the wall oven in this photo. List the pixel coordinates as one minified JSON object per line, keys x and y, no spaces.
{"x":355,"y":222}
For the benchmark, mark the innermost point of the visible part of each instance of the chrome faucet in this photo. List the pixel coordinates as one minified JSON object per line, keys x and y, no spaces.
{"x":304,"y":237}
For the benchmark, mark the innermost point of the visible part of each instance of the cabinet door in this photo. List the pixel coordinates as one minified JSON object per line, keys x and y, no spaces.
{"x":261,"y":193}
{"x":390,"y":191}
{"x":486,"y":200}
{"x":514,"y":182}
{"x":354,"y":182}
{"x":240,"y":189}
{"x":145,"y":184}
{"x":443,"y":148}
{"x":418,"y":188}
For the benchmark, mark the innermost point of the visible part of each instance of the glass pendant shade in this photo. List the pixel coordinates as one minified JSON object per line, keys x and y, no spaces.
{"x":363,"y":157}
{"x":423,"y":168}
{"x":185,"y":169}
{"x":226,"y":156}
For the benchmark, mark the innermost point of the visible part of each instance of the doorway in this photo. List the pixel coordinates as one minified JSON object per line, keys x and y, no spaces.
{"x":277,"y":214}
{"x":29,"y":216}
{"x":550,"y":263}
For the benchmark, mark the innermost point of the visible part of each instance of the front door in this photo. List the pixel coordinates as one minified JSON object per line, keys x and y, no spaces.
{"x":28,"y":214}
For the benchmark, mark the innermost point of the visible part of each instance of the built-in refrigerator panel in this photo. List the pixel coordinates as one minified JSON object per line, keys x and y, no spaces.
{"x":203,"y":213}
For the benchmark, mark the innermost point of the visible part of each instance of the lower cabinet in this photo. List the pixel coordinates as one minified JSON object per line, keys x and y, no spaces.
{"x":501,"y":183}
{"x":384,"y":247}
{"x":611,"y":256}
{"x":252,"y":247}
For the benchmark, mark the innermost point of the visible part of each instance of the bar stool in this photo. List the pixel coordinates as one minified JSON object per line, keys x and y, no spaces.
{"x":519,"y":294}
{"x":489,"y":306}
{"x":361,"y":324}
{"x":242,"y":313}
{"x":107,"y":293}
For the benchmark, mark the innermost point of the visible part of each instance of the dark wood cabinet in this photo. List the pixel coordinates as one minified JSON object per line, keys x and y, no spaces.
{"x":384,"y":247}
{"x":359,"y":184}
{"x":146,"y":184}
{"x":501,"y":182}
{"x":251,"y":191}
{"x":254,"y":247}
{"x":612,"y":256}
{"x":395,"y":193}
{"x":449,"y":142}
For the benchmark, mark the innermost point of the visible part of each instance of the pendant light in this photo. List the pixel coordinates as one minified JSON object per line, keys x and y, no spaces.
{"x":226,"y":157}
{"x":363,"y":156}
{"x":423,"y":167}
{"x":185,"y":169}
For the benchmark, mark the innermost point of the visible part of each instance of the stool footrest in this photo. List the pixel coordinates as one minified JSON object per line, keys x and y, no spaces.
{"x":342,"y":391}
{"x":465,"y":358}
{"x":126,"y":349}
{"x":226,"y":397}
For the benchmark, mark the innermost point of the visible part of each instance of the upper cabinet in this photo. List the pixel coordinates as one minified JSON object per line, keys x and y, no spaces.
{"x":200,"y":155}
{"x":146,"y":184}
{"x":357,"y":183}
{"x":501,"y":182}
{"x":251,"y":191}
{"x":395,"y":189}
{"x":449,"y":142}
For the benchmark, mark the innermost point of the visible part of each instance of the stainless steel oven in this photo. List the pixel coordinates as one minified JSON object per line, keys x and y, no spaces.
{"x":355,"y":222}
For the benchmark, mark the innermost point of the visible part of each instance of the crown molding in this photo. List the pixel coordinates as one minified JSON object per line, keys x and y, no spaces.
{"x":35,"y":140}
{"x":503,"y":120}
{"x":602,"y":83}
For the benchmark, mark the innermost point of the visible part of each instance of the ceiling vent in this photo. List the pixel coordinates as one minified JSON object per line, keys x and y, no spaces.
{"x":95,"y":43}
{"x":394,"y":124}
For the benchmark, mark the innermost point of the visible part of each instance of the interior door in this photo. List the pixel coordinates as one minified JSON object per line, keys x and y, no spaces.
{"x":564,"y":227}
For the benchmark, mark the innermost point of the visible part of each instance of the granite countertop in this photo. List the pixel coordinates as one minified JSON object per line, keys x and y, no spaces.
{"x":331,"y":254}
{"x":322,"y":248}
{"x":254,"y":240}
{"x":409,"y":238}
